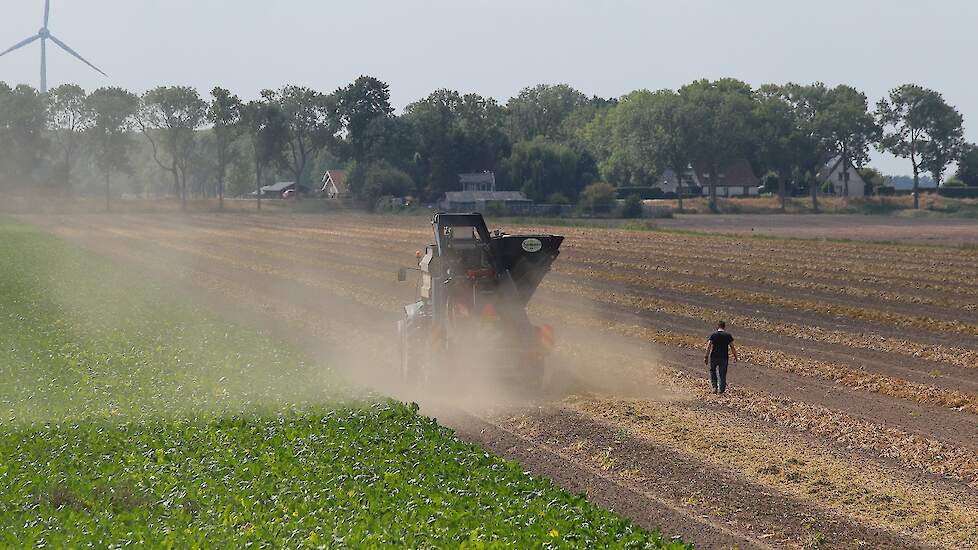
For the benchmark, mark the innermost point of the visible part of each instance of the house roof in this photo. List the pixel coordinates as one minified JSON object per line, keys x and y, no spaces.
{"x":278,"y":187}
{"x":739,"y":173}
{"x":826,"y":170}
{"x":473,"y":196}
{"x":338,"y":179}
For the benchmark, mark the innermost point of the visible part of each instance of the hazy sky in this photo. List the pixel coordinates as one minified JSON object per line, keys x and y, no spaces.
{"x":497,"y":47}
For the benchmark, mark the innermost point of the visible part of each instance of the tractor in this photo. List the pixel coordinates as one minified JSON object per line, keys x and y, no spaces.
{"x":470,"y":318}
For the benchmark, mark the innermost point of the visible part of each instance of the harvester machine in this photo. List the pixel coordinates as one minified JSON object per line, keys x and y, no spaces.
{"x":470,"y":318}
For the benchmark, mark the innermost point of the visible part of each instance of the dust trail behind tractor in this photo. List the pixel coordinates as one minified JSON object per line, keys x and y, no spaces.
{"x":469,"y":325}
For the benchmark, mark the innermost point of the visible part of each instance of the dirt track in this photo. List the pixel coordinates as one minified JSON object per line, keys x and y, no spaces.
{"x":852,"y":419}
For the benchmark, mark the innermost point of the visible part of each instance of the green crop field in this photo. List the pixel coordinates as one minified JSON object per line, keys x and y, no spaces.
{"x":131,"y":416}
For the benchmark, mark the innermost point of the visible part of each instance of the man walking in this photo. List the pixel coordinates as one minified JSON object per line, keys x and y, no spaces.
{"x":717,"y":356}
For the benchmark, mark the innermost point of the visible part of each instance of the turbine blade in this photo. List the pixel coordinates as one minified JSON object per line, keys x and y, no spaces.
{"x":47,"y":12}
{"x":44,"y":66}
{"x":23,"y":42}
{"x":74,"y":53}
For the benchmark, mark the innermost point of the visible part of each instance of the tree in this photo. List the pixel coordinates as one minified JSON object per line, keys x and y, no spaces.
{"x":946,"y":140}
{"x":22,"y":122}
{"x":169,"y":118}
{"x":370,"y":181}
{"x":875,"y":181}
{"x":268,"y":131}
{"x":776,"y":139}
{"x":113,"y":111}
{"x":454,"y":134}
{"x":968,"y":165}
{"x":541,"y":111}
{"x":846,"y":124}
{"x":598,"y":197}
{"x":788,"y":138}
{"x":540,"y":168}
{"x":306,"y":120}
{"x":632,"y":207}
{"x":224,"y":112}
{"x":624,"y":138}
{"x":720,"y":117}
{"x":920,"y":126}
{"x":650,"y":134}
{"x":361,"y":110}
{"x":69,"y":117}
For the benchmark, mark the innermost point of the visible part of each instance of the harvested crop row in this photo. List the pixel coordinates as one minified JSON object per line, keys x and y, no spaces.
{"x":959,"y":357}
{"x":789,"y":248}
{"x":841,"y":374}
{"x":845,"y":289}
{"x":707,"y":247}
{"x":864,"y":491}
{"x":743,"y":296}
{"x":383,"y":237}
{"x":911,"y":451}
{"x":753,"y":276}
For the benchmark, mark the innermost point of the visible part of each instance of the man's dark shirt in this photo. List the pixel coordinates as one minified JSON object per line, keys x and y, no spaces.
{"x":721,"y":341}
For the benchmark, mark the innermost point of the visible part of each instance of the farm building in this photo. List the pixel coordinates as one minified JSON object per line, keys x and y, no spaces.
{"x":833,"y":173}
{"x":334,"y":184}
{"x":735,"y":180}
{"x":479,"y":191}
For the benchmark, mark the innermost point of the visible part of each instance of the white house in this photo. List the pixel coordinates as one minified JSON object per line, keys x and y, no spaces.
{"x":334,"y":184}
{"x":834,"y":173}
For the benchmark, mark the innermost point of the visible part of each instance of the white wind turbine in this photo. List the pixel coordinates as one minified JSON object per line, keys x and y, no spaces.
{"x":44,"y":35}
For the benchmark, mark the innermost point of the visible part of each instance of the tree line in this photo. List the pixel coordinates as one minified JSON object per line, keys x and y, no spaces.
{"x":550,"y":141}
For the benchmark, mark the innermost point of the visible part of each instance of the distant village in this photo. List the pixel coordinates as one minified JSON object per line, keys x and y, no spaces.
{"x":477,"y":192}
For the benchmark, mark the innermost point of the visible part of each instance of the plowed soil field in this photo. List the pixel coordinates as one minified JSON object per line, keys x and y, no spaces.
{"x":851,"y":420}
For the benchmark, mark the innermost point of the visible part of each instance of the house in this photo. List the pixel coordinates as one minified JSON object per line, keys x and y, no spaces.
{"x":735,"y":179}
{"x":833,"y":174}
{"x":479,"y":191}
{"x":334,"y":184}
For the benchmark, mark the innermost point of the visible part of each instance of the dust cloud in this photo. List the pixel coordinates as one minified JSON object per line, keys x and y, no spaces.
{"x":289,"y":298}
